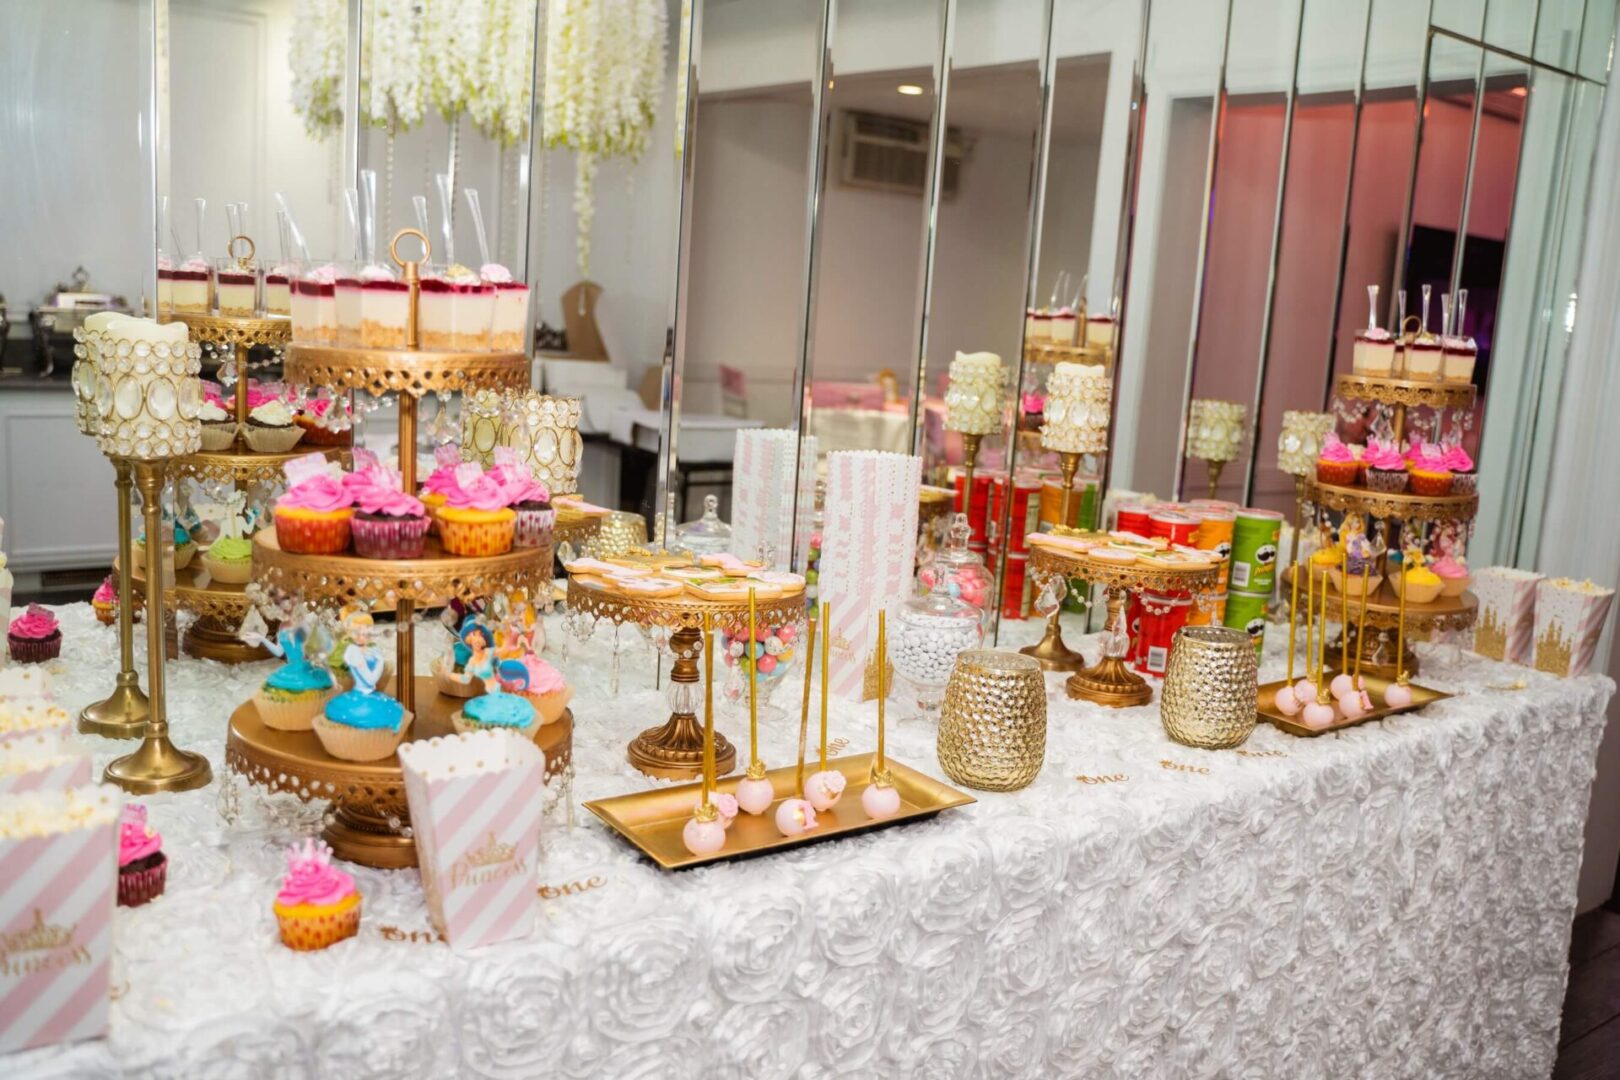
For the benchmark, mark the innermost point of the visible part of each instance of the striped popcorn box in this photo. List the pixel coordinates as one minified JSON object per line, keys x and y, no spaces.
{"x":475,"y":806}
{"x":24,"y":681}
{"x":1506,"y":619}
{"x":59,"y":862}
{"x":42,"y":761}
{"x":23,"y":719}
{"x":1569,"y":621}
{"x":767,"y":471}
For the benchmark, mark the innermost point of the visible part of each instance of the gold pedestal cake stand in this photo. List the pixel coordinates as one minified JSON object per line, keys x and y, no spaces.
{"x":674,"y":749}
{"x":1446,"y":613}
{"x":1110,"y":681}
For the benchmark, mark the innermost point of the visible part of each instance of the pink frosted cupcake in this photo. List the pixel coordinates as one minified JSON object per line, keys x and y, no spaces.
{"x":142,"y":866}
{"x":34,"y":636}
{"x":318,"y":904}
{"x":387,"y":524}
{"x":539,"y":682}
{"x":1453,"y":574}
{"x":1337,"y":464}
{"x":314,"y":516}
{"x":527,"y":497}
{"x":440,"y":482}
{"x":475,"y":519}
{"x":1464,"y":481}
{"x":1386,"y":468}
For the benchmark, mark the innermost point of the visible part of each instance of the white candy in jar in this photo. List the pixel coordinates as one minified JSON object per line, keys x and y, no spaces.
{"x":923,"y":649}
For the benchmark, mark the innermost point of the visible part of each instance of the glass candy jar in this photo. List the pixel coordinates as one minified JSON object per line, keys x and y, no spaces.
{"x":927,"y":634}
{"x":708,"y":535}
{"x":966,"y":577}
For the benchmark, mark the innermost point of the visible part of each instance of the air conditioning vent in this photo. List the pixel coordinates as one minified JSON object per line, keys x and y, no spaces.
{"x":890,"y":153}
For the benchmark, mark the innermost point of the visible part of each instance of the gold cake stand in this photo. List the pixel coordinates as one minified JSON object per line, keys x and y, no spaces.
{"x":1403,"y":506}
{"x":674,"y":749}
{"x":1045,"y":352}
{"x":1446,"y":613}
{"x":369,"y":813}
{"x":219,"y":609}
{"x":575,"y":527}
{"x":1110,"y":681}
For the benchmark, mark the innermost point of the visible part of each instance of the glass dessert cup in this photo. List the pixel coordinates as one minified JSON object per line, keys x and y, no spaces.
{"x":236,"y":287}
{"x":1100,"y":331}
{"x":1423,"y":360}
{"x":346,"y":303}
{"x":1457,"y":358}
{"x":1064,"y":326}
{"x":165,"y":285}
{"x":314,"y":306}
{"x":278,"y":290}
{"x":189,"y":291}
{"x":385,"y":309}
{"x":455,"y":310}
{"x":1373,"y":353}
{"x":509,"y":326}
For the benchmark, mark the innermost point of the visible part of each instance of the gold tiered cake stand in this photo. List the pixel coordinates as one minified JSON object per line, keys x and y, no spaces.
{"x":219,"y":607}
{"x":674,"y":749}
{"x":370,"y":820}
{"x":1393,"y":513}
{"x":1050,"y":352}
{"x":1110,"y":681}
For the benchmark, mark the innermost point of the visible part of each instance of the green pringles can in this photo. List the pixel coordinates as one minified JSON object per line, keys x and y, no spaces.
{"x":1247,"y":612}
{"x":1255,"y":535}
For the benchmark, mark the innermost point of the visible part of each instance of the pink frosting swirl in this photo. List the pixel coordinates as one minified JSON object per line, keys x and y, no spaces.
{"x":322,"y":275}
{"x":1429,"y":456}
{"x":475,"y":489}
{"x":106,"y":592}
{"x":195,"y":265}
{"x":442,"y":480}
{"x":1448,"y":567}
{"x":312,"y":879}
{"x":1335,"y":450}
{"x":314,"y":484}
{"x":34,"y":624}
{"x":376,"y":490}
{"x":516,"y":481}
{"x":543,"y":678}
{"x":136,"y":839}
{"x":1383,"y":455}
{"x":1457,"y":460}
{"x":495,"y":272}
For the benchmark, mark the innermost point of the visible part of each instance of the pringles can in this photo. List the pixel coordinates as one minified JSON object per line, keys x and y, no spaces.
{"x":1247,"y":612}
{"x":1255,"y":535}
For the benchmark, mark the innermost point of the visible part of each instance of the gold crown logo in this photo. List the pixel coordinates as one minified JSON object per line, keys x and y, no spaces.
{"x":40,"y":937}
{"x":869,"y":681}
{"x":491,"y":854}
{"x":1490,"y":636}
{"x":1553,"y":650}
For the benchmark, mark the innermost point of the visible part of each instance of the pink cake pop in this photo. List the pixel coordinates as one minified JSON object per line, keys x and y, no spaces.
{"x":1342,"y":685}
{"x":1350,"y":705}
{"x":824,"y":789}
{"x":1286,"y":701}
{"x":755,"y":796}
{"x":1317,"y":715}
{"x":1398,"y":696}
{"x":725,"y":805}
{"x":880,"y":801}
{"x":1305,"y":691}
{"x":704,"y":837}
{"x":795,"y":816}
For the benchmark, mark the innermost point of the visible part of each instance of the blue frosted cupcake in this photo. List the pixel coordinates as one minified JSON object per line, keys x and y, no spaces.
{"x":361,"y":726}
{"x":497,"y":711}
{"x":292,"y":696}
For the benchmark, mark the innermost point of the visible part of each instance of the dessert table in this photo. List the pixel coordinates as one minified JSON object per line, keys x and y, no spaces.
{"x":1392,"y":900}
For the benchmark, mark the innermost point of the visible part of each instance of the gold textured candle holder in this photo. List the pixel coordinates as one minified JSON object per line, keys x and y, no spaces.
{"x":122,"y":714}
{"x":1210,"y":688}
{"x":992,"y":727}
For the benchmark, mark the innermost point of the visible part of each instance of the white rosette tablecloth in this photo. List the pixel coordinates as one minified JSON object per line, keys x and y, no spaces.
{"x":1395,"y":901}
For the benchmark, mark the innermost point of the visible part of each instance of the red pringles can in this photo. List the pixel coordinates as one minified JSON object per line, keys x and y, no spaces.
{"x":1134,"y":519}
{"x":1162,"y":615}
{"x":1174,"y":526}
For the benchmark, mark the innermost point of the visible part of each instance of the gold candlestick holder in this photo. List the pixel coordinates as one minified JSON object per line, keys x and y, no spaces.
{"x":970,"y":457}
{"x":1051,"y":652}
{"x":157,"y":764}
{"x":122,"y":714}
{"x":1215,"y":468}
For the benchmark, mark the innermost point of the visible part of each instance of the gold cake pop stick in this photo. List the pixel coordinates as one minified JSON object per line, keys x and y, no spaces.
{"x":708,"y":705}
{"x":882,"y":690}
{"x":1293,"y":623}
{"x":804,"y":711}
{"x":1344,"y":612}
{"x":1361,"y":623}
{"x":826,"y":647}
{"x":1322,"y":695}
{"x":753,"y":686}
{"x":1400,"y":628}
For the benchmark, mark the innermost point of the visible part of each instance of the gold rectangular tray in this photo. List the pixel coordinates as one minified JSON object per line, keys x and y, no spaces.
{"x":1421,"y":696}
{"x":653,"y":820}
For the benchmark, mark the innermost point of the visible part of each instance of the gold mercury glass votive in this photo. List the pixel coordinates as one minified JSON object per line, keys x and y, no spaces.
{"x":619,"y":533}
{"x":992,"y":728}
{"x":1210,"y":687}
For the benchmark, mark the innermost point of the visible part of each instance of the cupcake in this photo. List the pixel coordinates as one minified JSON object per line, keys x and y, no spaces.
{"x":312,"y":420}
{"x":296,"y":691}
{"x":437,"y":487}
{"x":527,"y":497}
{"x":229,"y":560}
{"x":387,"y":523}
{"x":105,"y":601}
{"x":313,"y":517}
{"x":142,"y":866}
{"x":184,"y":549}
{"x":218,"y":425}
{"x":1386,"y":468}
{"x":1429,"y":473}
{"x":270,"y":428}
{"x":1453,"y":574}
{"x":1422,"y":585}
{"x":497,"y":712}
{"x":541,"y":684}
{"x":1337,"y":464}
{"x":360,"y":725}
{"x":318,"y":904}
{"x":1464,"y":481}
{"x":476,"y":519}
{"x":340,"y":668}
{"x":34,"y":637}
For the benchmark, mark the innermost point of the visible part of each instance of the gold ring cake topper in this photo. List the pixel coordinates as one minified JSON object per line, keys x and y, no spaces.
{"x":427,"y":248}
{"x":244,"y":261}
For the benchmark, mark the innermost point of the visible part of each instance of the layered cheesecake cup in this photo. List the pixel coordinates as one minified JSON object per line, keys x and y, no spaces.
{"x":456,"y":309}
{"x":165,"y":284}
{"x":314,"y":306}
{"x":1100,"y":332}
{"x":189,"y":289}
{"x":1423,"y":358}
{"x":278,"y":289}
{"x":1457,"y":356}
{"x":1373,"y":352}
{"x":509,"y":322}
{"x":385,"y":308}
{"x":236,"y":288}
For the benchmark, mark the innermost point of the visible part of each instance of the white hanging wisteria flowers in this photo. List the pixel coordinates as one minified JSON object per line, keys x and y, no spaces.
{"x":315,"y":54}
{"x":392,"y":88}
{"x":604,"y":78}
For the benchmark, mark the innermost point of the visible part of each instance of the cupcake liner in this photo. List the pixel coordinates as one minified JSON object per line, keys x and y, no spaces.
{"x":318,"y":927}
{"x":1464,"y":483}
{"x":1416,"y":593}
{"x":533,"y":528}
{"x":34,"y":650}
{"x":324,"y":535}
{"x":359,"y":744}
{"x":1431,"y":483}
{"x":1339,"y":473}
{"x":466,"y":726}
{"x":315,"y":435}
{"x":183,"y":555}
{"x":1455,"y":586}
{"x":294,"y":714}
{"x":220,"y":436}
{"x":388,"y":538}
{"x":1338,"y":579}
{"x":106,"y":614}
{"x":239,"y":572}
{"x":476,"y":539}
{"x":273,"y":440}
{"x":550,"y":705}
{"x":1387,"y":481}
{"x":137,"y":887}
{"x":450,"y":686}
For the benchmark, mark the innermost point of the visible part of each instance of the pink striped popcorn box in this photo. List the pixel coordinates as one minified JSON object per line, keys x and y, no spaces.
{"x":1569,"y":621}
{"x":42,"y":761}
{"x":1507,"y":613}
{"x":34,"y":719}
{"x":476,"y":802}
{"x":59,"y":862}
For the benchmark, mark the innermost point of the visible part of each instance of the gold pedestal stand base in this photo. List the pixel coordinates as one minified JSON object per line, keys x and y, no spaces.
{"x":1110,"y":683}
{"x":159,"y":766}
{"x":1051,"y":653}
{"x":674,"y":751}
{"x":121,"y":715}
{"x":210,"y":639}
{"x":1376,"y":642}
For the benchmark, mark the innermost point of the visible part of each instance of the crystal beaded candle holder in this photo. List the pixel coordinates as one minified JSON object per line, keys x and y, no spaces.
{"x":1076,"y":412}
{"x":973,"y":398}
{"x":1300,"y":442}
{"x":1215,"y":429}
{"x":146,"y":394}
{"x":544,"y":430}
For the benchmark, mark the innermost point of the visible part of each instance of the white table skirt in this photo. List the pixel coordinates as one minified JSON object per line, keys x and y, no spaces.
{"x":1395,"y":901}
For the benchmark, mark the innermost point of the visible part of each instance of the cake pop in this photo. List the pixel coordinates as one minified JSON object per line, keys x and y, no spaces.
{"x":824,"y":787}
{"x":1398,"y":695}
{"x":754,"y":792}
{"x":794,"y":817}
{"x":1317,"y":715}
{"x":880,"y":799}
{"x":705,"y":833}
{"x":724,"y":805}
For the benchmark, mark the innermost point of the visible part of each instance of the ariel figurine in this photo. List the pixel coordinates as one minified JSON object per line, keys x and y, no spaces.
{"x":362,"y":724}
{"x":294,"y":693}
